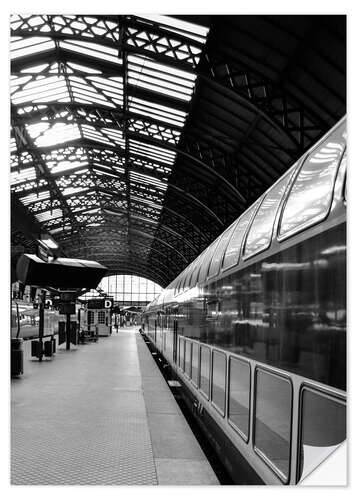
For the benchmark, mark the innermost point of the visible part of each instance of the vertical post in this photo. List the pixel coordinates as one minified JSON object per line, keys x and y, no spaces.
{"x":68,"y":331}
{"x":41,"y":325}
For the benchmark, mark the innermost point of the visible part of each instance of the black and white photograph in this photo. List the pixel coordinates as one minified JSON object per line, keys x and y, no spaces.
{"x":177,"y":262}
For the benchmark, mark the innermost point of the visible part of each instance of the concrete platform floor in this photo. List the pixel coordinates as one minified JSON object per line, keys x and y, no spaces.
{"x":101,"y":414}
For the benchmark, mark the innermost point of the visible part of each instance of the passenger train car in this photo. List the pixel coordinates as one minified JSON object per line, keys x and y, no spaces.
{"x":255,"y":327}
{"x":25,"y":320}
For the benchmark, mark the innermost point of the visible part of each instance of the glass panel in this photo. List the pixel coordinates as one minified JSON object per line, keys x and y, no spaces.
{"x":219,"y":380}
{"x":194,"y":372}
{"x":239,"y":394}
{"x":181,"y":353}
{"x":188,"y":358}
{"x":310,"y":197}
{"x":323,"y":429}
{"x":218,"y":254}
{"x":273,"y":420}
{"x":259,"y":235}
{"x":232,"y":253}
{"x":205,"y":370}
{"x":198,"y":267}
{"x":207,"y":260}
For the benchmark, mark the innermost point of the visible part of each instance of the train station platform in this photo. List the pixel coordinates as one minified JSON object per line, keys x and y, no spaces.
{"x":101,"y":414}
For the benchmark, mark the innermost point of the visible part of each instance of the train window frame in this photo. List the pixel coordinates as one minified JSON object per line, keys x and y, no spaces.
{"x":290,"y":176}
{"x":215,"y":406}
{"x":194,"y":263}
{"x":230,"y":422}
{"x":188,"y":344}
{"x":254,"y":208}
{"x":334,"y":396}
{"x":181,"y":340}
{"x":200,"y":262}
{"x":230,"y":228}
{"x":196,"y":382}
{"x":279,"y":474}
{"x":212,"y":247}
{"x":307,"y":225}
{"x":207,"y":396}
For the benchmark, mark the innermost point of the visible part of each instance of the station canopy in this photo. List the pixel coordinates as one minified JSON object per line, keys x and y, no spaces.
{"x":136,"y":140}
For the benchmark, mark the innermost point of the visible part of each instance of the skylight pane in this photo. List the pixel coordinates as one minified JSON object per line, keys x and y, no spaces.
{"x":179,"y":25}
{"x":59,"y":133}
{"x":92,"y":49}
{"x":49,"y":215}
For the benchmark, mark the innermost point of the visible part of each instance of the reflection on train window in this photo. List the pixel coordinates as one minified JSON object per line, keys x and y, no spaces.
{"x":239,"y":395}
{"x":181,"y":352}
{"x":197,"y":267}
{"x":323,"y":429}
{"x":273,"y":421}
{"x":207,"y":260}
{"x":205,"y":370}
{"x":194,"y":371}
{"x":310,"y":197}
{"x":188,"y":358}
{"x":217,"y":257}
{"x":219,"y":380}
{"x":232,"y":253}
{"x":259,"y":235}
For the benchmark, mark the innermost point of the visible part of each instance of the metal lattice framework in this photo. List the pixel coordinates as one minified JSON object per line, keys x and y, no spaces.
{"x":136,"y":140}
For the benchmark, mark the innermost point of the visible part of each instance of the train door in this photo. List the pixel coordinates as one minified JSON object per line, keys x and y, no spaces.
{"x":155,"y":331}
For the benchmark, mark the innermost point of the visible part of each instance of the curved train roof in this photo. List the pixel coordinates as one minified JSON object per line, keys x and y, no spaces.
{"x":323,"y":147}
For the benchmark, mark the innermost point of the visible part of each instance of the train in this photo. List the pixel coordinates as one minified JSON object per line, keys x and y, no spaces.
{"x":254,"y":329}
{"x":25,"y":320}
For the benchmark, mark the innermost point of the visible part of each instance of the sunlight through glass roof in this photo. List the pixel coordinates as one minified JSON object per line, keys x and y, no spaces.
{"x":98,"y":107}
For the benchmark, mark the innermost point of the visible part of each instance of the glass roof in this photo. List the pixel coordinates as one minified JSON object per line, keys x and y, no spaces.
{"x":98,"y":106}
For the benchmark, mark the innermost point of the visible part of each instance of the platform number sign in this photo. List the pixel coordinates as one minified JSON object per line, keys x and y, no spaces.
{"x":108,"y":303}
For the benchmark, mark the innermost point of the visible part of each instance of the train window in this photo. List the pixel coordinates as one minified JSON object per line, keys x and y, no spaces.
{"x":217,"y":256}
{"x":310,"y":197}
{"x":319,"y":436}
{"x":260,"y":232}
{"x":192,"y":270}
{"x":233,"y":248}
{"x":194,"y":371}
{"x":182,"y":353}
{"x":239,"y":396}
{"x":188,"y":354}
{"x":198,"y":267}
{"x":207,"y":261}
{"x":272,"y":421}
{"x":219,"y":381}
{"x":188,"y":276}
{"x":205,"y":370}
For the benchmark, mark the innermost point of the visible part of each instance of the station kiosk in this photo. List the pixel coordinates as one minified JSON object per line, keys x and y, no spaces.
{"x":97,"y":316}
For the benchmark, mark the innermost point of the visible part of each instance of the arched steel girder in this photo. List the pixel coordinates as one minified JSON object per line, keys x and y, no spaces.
{"x":158,"y":226}
{"x":112,"y":250}
{"x":138,"y":270}
{"x":153,"y":237}
{"x":107,"y":260}
{"x":236,"y":195}
{"x":196,"y":201}
{"x":132,"y":22}
{"x":168,"y":60}
{"x":144,"y":235}
{"x":185,"y":220}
